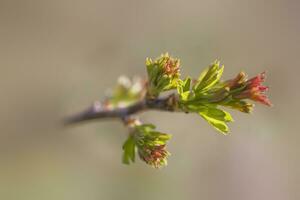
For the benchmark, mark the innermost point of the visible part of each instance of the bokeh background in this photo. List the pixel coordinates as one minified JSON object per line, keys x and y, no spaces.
{"x":58,"y":56}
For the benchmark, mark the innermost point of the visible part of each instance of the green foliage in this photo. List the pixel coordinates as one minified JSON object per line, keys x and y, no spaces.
{"x":163,"y":74}
{"x":183,"y":89}
{"x":150,"y":145}
{"x":208,"y":78}
{"x":129,"y":150}
{"x":205,"y":96}
{"x":216,"y":117}
{"x":198,"y":97}
{"x":164,"y":90}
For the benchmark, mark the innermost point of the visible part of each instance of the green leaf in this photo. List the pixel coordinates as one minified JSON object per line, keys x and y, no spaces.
{"x":183,"y":89}
{"x":217,"y":124}
{"x":216,"y":113}
{"x":203,"y":74}
{"x":186,"y":84}
{"x":180,"y":87}
{"x":148,"y":133}
{"x":129,"y":150}
{"x":209,"y":77}
{"x":145,"y":128}
{"x":185,"y":95}
{"x":149,"y":65}
{"x":216,"y":117}
{"x":164,"y":137}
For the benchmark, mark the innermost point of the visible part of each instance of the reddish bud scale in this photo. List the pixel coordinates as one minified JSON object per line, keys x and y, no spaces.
{"x":237,"y":81}
{"x":255,"y":90}
{"x":154,"y":155}
{"x":171,"y":67}
{"x":257,"y":80}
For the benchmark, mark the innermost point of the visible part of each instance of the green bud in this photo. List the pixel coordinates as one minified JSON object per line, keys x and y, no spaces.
{"x":163,"y":74}
{"x":150,"y":145}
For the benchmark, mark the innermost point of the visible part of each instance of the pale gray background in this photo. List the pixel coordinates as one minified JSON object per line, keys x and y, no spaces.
{"x":58,"y":56}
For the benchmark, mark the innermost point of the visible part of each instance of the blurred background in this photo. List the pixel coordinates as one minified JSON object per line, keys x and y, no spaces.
{"x":57,"y":57}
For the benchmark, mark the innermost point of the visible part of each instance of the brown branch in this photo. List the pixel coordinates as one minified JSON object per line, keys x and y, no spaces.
{"x":96,"y":111}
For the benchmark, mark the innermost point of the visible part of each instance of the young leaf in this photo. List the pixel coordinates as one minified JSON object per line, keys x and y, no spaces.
{"x":209,"y":77}
{"x":186,"y":84}
{"x":217,"y":124}
{"x":216,"y":113}
{"x":151,"y":145}
{"x":129,"y":150}
{"x":216,"y":117}
{"x":183,"y":89}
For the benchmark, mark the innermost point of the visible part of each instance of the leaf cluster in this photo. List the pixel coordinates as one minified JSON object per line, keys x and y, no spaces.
{"x":206,"y":95}
{"x":149,"y":144}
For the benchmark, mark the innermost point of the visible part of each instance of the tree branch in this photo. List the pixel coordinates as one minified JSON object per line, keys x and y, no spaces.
{"x":97,"y":111}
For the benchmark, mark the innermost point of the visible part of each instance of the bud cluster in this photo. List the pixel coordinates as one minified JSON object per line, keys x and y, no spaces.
{"x":254,"y":90}
{"x":208,"y":92}
{"x":150,"y":144}
{"x":205,"y":96}
{"x":163,"y":74}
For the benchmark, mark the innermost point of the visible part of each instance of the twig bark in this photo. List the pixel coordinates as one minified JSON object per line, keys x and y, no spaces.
{"x":96,"y":111}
